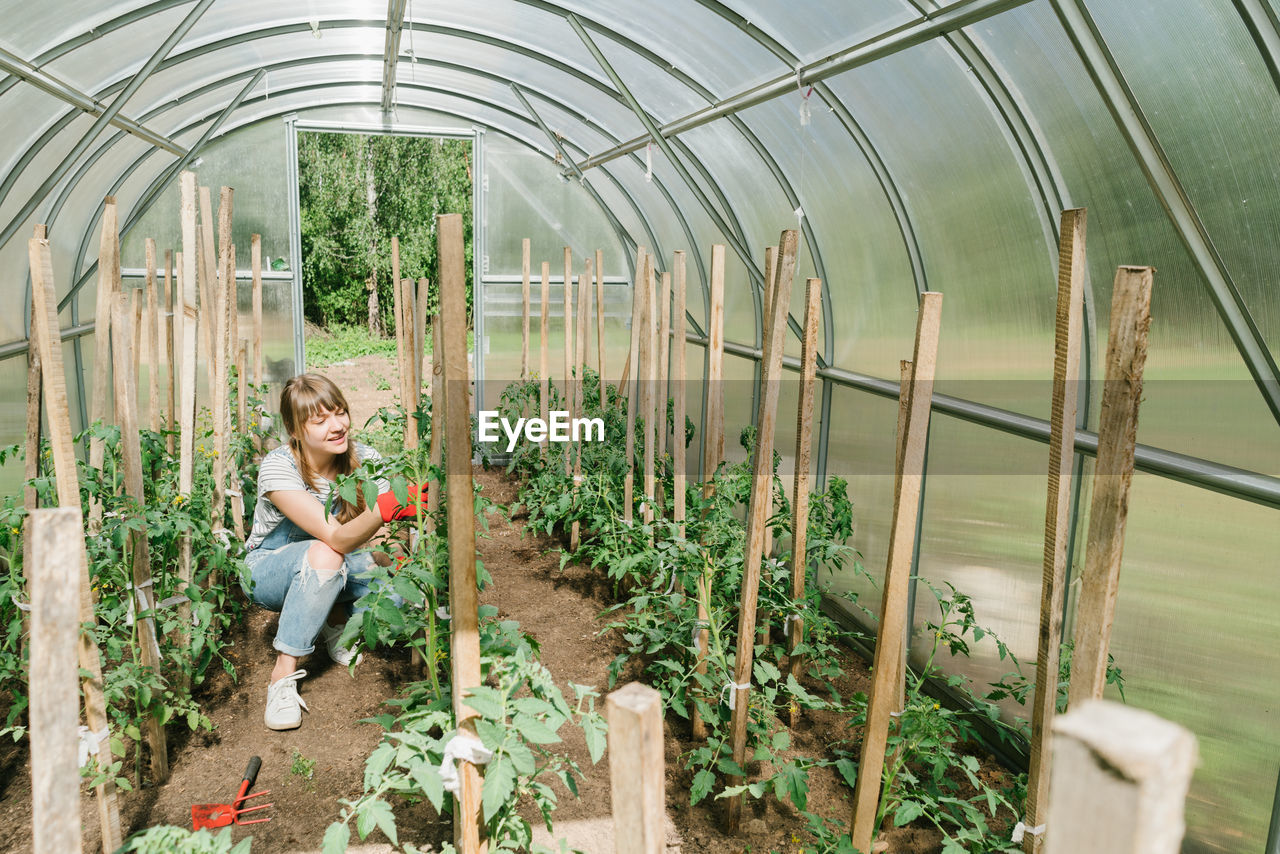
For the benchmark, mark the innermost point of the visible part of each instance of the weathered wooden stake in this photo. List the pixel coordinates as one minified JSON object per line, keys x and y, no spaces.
{"x":191,"y":326}
{"x":208,"y":258}
{"x":712,"y":448}
{"x":153,"y":340}
{"x":664,"y":367}
{"x":633,"y":357}
{"x":220,"y":286}
{"x":636,"y":769}
{"x":678,"y":446}
{"x":604,"y":398}
{"x":126,"y":384}
{"x":421,"y":319}
{"x":524,"y":310}
{"x":108,"y":286}
{"x":255,"y":261}
{"x":569,"y":402}
{"x":55,"y":702}
{"x":44,"y":297}
{"x":647,"y":377}
{"x":1120,"y":779}
{"x":884,"y":687}
{"x":166,"y":331}
{"x":770,"y":275}
{"x":438,"y":408}
{"x":584,"y":312}
{"x":463,"y":598}
{"x":409,"y":361}
{"x":1109,"y":507}
{"x":800,"y":483}
{"x":1068,"y":335}
{"x":31,"y":461}
{"x":758,"y":510}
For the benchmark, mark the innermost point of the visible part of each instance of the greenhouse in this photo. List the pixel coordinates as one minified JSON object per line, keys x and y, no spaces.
{"x":830,"y":377}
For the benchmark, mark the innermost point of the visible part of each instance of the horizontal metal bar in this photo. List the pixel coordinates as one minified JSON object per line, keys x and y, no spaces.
{"x":63,"y":91}
{"x":17,"y":348}
{"x":389,"y":127}
{"x":512,"y":279}
{"x":391,"y":52}
{"x":892,"y":41}
{"x":141,"y":273}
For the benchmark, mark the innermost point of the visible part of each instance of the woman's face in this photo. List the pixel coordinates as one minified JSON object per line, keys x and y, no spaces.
{"x":324,"y":434}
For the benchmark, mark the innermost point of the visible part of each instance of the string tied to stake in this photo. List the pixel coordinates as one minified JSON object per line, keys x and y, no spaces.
{"x":467,"y":748}
{"x":88,"y":743}
{"x":1020,"y":829}
{"x":698,"y":626}
{"x":443,"y":613}
{"x":733,"y":688}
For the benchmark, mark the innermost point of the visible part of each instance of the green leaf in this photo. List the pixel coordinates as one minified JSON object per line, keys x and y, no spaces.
{"x":595,"y":729}
{"x":427,"y":777}
{"x":522,"y":758}
{"x":848,"y":770}
{"x":335,"y":838}
{"x":703,"y":781}
{"x":907,"y":812}
{"x":499,"y":785}
{"x":379,"y":812}
{"x":534,"y":730}
{"x":486,"y":701}
{"x":376,"y":765}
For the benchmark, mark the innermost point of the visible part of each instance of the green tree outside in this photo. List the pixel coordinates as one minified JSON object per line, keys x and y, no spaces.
{"x":356,"y":193}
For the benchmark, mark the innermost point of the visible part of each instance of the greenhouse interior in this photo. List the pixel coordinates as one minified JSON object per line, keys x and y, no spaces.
{"x":986,"y":280}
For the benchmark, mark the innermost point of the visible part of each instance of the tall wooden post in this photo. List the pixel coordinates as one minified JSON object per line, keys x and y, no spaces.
{"x":524,"y":310}
{"x":604,"y":397}
{"x":31,"y":455}
{"x":636,"y":769}
{"x":544,"y":392}
{"x":55,"y":702}
{"x":712,"y":448}
{"x":153,"y":340}
{"x":221,"y":298}
{"x":463,"y":598}
{"x":438,"y":408}
{"x":166,"y":331}
{"x":420,"y":322}
{"x":901,"y":543}
{"x":208,"y":257}
{"x":758,"y":509}
{"x":678,"y":445}
{"x":131,"y":464}
{"x":1120,"y":780}
{"x":664,"y":364}
{"x":187,"y":407}
{"x":1069,"y":328}
{"x":637,"y":314}
{"x":1109,"y":508}
{"x":568,"y":347}
{"x":646,"y":376}
{"x":584,"y":311}
{"x":255,"y":261}
{"x":408,"y":361}
{"x":44,"y":298}
{"x":800,"y":483}
{"x":108,"y":286}
{"x":770,"y":276}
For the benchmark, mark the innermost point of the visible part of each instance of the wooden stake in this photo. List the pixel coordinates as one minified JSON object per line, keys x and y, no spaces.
{"x":901,"y":544}
{"x":584,"y":311}
{"x":568,"y":347}
{"x":242,"y":413}
{"x":544,"y":393}
{"x":758,"y":510}
{"x":646,"y":377}
{"x":398,"y":304}
{"x":31,"y":467}
{"x":636,"y":769}
{"x":664,"y":365}
{"x":1120,"y":780}
{"x":187,"y":407}
{"x":524,"y":310}
{"x":712,"y":448}
{"x":408,"y":361}
{"x":44,"y":298}
{"x":208,"y":258}
{"x":134,"y":307}
{"x":463,"y":599}
{"x":800,"y":484}
{"x":420,"y":337}
{"x":1109,"y":508}
{"x":153,"y":339}
{"x":1057,"y":517}
{"x":770,"y":274}
{"x":255,"y":260}
{"x":221,"y":416}
{"x":438,"y":406}
{"x":131,"y":467}
{"x":55,"y":704}
{"x":166,"y":331}
{"x":108,"y":286}
{"x":604,"y":398}
{"x":678,"y":446}
{"x":637,"y":313}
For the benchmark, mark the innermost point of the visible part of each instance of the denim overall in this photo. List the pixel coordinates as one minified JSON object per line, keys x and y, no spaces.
{"x":284,"y":581}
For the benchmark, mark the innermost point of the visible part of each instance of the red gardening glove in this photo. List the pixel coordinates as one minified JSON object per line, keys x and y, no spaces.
{"x":393,"y":510}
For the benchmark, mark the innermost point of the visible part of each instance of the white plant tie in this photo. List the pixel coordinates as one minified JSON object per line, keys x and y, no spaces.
{"x":672,"y":586}
{"x":223,"y":536}
{"x":22,"y":606}
{"x":577,"y":479}
{"x":799,"y":212}
{"x":467,"y":748}
{"x":733,"y":688}
{"x":89,"y":742}
{"x":648,"y":163}
{"x":171,"y":601}
{"x":235,"y":493}
{"x":111,"y":514}
{"x":443,"y":613}
{"x":798,"y":619}
{"x":1019,"y":829}
{"x":698,"y":626}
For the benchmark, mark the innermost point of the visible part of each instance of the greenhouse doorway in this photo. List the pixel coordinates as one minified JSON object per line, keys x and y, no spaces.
{"x":355,"y":187}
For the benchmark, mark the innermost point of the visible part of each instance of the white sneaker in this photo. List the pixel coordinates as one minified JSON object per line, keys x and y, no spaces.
{"x":337,"y":653}
{"x":284,"y":706}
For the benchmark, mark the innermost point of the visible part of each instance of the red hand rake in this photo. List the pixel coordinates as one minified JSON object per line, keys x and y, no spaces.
{"x":220,"y":815}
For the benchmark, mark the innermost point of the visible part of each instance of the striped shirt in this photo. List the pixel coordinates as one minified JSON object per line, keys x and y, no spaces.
{"x":279,"y":470}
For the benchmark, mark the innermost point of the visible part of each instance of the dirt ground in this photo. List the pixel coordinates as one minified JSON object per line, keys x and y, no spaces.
{"x":561,"y":610}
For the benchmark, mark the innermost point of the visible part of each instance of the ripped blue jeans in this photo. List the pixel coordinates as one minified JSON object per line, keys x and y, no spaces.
{"x":285,"y":581}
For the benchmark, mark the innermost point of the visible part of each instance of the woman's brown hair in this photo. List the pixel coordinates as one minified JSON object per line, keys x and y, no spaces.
{"x":302,"y":397}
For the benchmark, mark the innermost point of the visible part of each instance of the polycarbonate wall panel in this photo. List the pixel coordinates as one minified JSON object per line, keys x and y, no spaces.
{"x":1197,"y":640}
{"x":861,"y":452}
{"x":983,"y":532}
{"x":660,"y":94}
{"x":739,"y":384}
{"x":114,"y":55}
{"x":1199,"y":398}
{"x":1205,"y":91}
{"x":824,"y":26}
{"x":974,"y":217}
{"x":13,"y":419}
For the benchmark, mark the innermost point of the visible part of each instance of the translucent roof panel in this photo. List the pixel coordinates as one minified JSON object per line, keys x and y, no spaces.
{"x":824,"y":26}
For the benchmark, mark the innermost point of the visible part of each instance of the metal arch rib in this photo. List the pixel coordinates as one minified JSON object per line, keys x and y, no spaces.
{"x":1132,"y":123}
{"x":391,"y":52}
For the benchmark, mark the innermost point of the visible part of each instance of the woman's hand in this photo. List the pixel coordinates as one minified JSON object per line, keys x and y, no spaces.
{"x":391,"y":509}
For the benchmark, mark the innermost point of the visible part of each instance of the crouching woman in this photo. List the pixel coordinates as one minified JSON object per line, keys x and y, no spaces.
{"x":303,"y":562}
